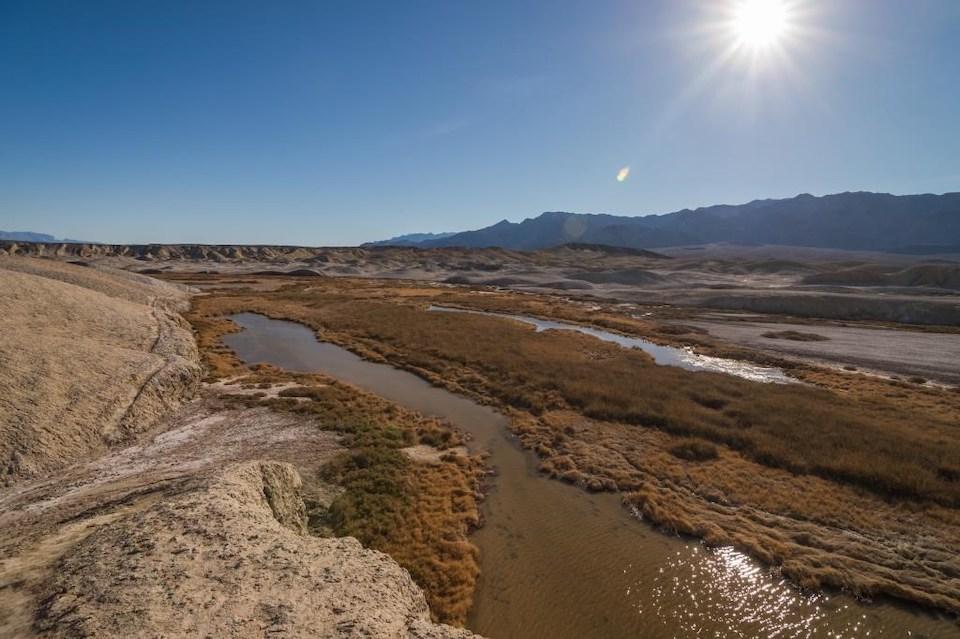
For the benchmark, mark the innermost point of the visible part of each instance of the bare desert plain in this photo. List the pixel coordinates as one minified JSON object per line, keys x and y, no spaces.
{"x":405,"y":442}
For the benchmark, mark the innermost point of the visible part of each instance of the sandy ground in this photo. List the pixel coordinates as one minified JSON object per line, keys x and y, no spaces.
{"x":430,"y":455}
{"x":933,"y":356}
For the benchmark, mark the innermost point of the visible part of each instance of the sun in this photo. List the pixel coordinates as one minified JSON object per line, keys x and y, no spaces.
{"x":760,"y":23}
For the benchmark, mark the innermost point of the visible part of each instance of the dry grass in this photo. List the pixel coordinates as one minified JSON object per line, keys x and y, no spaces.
{"x":877,"y":442}
{"x":818,"y":532}
{"x":848,"y":482}
{"x":419,"y":514}
{"x":694,"y":450}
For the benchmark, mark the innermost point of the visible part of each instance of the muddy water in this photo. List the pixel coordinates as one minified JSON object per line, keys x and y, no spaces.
{"x":559,"y":563}
{"x":663,"y":355}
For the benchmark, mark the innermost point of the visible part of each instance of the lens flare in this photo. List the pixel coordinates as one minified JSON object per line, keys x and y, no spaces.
{"x":760,"y":23}
{"x":623,"y":174}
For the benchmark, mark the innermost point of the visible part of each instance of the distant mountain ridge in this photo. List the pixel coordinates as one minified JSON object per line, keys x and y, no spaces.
{"x":410,"y":239}
{"x":851,"y":221}
{"x":28,"y":236}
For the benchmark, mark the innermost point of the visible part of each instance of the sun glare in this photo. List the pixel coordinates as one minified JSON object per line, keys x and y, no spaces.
{"x":760,"y":23}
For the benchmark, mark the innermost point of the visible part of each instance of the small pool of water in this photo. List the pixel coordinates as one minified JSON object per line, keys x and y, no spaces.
{"x":663,"y":355}
{"x":560,"y":563}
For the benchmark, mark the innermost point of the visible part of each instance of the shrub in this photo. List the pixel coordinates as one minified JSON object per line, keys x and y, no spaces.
{"x":694,"y":450}
{"x":795,"y":336}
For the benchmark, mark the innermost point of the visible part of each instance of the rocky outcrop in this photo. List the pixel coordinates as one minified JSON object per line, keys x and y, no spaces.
{"x":230,"y":559}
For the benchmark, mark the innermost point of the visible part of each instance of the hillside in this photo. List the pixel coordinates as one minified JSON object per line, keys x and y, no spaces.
{"x":113,"y":357}
{"x":851,"y":221}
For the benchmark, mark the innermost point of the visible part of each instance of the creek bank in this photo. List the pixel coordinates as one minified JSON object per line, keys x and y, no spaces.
{"x":663,"y":355}
{"x":529,"y":551}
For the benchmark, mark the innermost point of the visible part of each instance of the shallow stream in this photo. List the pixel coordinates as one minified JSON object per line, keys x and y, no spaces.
{"x":663,"y":355}
{"x":559,"y":563}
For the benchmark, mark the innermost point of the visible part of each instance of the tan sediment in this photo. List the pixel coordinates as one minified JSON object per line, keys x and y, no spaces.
{"x":89,"y":358}
{"x":229,"y":558}
{"x":431,"y":455}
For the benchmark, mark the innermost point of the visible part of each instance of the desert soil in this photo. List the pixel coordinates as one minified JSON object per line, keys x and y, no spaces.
{"x":933,"y":356}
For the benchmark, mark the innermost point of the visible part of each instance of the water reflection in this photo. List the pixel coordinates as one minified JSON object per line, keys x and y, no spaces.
{"x":663,"y":355}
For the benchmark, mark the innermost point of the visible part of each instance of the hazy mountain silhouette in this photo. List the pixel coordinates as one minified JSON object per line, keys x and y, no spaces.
{"x":28,"y":236}
{"x":410,"y":239}
{"x":855,"y":221}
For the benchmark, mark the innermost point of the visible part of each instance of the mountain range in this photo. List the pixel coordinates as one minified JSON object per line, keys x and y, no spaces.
{"x":852,"y":221}
{"x":410,"y":239}
{"x":28,"y":236}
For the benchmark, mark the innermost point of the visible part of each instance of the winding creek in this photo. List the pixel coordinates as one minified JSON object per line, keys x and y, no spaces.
{"x":663,"y":355}
{"x":560,"y":563}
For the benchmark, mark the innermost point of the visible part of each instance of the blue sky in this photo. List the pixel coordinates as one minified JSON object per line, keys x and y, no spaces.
{"x":325,"y":123}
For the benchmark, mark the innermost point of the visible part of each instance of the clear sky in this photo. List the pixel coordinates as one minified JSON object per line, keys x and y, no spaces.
{"x":324,"y":123}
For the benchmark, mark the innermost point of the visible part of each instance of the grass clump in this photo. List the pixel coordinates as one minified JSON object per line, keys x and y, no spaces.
{"x":418,"y":514}
{"x":695,"y":450}
{"x":378,"y":496}
{"x":795,"y":336}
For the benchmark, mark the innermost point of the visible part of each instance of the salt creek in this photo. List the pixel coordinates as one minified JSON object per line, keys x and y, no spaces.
{"x":558,"y":562}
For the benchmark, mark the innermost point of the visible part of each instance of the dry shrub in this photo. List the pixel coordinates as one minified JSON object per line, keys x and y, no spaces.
{"x":950,"y":473}
{"x":795,"y":336}
{"x":695,"y":450}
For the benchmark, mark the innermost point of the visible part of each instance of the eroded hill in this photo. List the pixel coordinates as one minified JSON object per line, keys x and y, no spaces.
{"x":90,"y":358}
{"x":142,"y":502}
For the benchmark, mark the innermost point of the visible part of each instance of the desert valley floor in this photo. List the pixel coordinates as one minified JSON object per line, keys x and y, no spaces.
{"x":579,"y":441}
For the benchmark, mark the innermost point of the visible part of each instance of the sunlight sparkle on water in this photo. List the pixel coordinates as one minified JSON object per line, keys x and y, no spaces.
{"x":724,"y":589}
